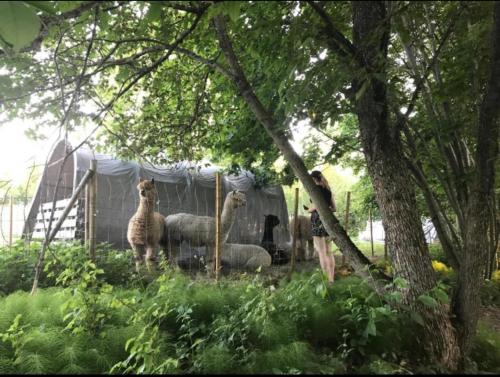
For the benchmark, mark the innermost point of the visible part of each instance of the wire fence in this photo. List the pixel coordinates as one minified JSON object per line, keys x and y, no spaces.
{"x":11,"y":222}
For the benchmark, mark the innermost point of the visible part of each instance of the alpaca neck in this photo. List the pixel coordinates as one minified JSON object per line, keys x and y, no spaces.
{"x":268,"y":234}
{"x":146,"y":208}
{"x":227,"y":219}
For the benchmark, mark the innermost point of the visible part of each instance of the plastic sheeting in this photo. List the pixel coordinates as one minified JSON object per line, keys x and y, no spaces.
{"x":183,"y":187}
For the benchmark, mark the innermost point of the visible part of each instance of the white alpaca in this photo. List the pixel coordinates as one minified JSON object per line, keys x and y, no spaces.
{"x":200,"y":230}
{"x":241,"y":256}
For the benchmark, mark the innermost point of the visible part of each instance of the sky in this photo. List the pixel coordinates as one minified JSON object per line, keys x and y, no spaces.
{"x":18,"y":153}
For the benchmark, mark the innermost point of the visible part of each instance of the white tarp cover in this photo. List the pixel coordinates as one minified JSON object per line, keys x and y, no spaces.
{"x":183,"y":187}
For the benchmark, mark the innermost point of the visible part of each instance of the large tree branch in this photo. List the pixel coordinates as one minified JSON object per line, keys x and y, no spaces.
{"x":488,"y":130}
{"x":420,"y":83}
{"x":265,"y":117}
{"x":336,"y":40}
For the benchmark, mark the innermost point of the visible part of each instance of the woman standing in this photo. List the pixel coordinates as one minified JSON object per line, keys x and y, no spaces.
{"x":321,"y":244}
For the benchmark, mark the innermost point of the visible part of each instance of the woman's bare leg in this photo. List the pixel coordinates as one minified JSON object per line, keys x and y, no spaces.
{"x":329,"y":259}
{"x":326,"y":259}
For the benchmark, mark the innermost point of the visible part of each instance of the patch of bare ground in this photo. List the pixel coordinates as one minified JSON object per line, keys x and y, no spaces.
{"x":491,"y":316}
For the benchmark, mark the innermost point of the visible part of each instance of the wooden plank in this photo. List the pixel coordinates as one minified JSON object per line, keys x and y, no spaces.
{"x":66,"y":223}
{"x":57,"y":214}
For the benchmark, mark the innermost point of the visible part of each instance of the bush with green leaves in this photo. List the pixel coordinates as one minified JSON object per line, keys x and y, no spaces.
{"x":181,"y":324}
{"x":17,"y":264}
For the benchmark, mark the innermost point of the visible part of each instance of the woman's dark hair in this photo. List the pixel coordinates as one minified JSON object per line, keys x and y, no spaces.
{"x":316,"y":174}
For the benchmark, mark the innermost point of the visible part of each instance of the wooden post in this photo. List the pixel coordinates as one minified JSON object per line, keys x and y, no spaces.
{"x":56,"y":228}
{"x":346,"y":226}
{"x":371,"y":229}
{"x":295,"y":228}
{"x":92,"y":210}
{"x":217,"y":224}
{"x":87,"y":217}
{"x":11,"y":218}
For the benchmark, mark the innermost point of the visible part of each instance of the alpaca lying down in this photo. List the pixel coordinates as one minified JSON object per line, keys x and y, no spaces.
{"x":241,"y":256}
{"x":200,"y":230}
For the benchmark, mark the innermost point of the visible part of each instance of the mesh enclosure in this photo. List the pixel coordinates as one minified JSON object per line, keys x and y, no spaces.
{"x":183,"y":187}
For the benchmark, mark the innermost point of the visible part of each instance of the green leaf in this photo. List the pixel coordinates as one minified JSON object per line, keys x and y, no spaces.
{"x":370,"y":329}
{"x":232,"y":9}
{"x":441,"y":296}
{"x":417,"y":318}
{"x":154,"y":12}
{"x":428,"y":300}
{"x":45,"y":6}
{"x":400,"y":282}
{"x":19,"y":24}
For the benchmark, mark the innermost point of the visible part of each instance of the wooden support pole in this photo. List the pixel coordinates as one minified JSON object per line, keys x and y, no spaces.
{"x":218,"y":211}
{"x":11,"y":222}
{"x":371,"y":230}
{"x":56,"y":228}
{"x":346,"y":226}
{"x":87,"y":217}
{"x":92,"y":210}
{"x":295,"y":229}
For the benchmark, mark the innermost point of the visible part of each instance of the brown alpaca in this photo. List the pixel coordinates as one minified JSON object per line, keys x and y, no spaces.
{"x":305,"y":248}
{"x":146,"y":229}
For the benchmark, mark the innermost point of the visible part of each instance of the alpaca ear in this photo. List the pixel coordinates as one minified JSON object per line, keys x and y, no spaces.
{"x":153,"y":181}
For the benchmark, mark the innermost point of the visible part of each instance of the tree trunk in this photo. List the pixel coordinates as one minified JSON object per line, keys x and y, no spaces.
{"x":395,"y":194}
{"x":466,"y":300}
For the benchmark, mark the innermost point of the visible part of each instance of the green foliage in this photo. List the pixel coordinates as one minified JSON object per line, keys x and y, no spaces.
{"x":19,"y":24}
{"x":17,"y":264}
{"x":490,"y":293}
{"x":179,"y":325}
{"x":486,"y":349}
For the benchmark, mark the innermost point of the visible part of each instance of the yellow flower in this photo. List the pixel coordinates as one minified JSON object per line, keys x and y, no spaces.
{"x":496,"y":276}
{"x":440,"y":267}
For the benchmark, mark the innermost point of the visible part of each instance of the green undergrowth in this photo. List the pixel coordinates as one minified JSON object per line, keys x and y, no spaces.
{"x":17,"y":264}
{"x":100,"y":318}
{"x":177,"y":325}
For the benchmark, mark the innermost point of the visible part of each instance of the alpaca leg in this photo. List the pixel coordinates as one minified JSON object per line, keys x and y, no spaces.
{"x":172,"y":252}
{"x":151,"y":259}
{"x":139,"y":251}
{"x":300,"y":251}
{"x":210,"y":260}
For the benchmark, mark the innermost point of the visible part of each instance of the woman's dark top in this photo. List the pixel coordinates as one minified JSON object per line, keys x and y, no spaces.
{"x":318,"y":229}
{"x":327,"y":194}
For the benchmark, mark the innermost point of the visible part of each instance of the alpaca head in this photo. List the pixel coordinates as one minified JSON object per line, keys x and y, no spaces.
{"x":238,"y":198}
{"x":147,"y":190}
{"x":271,"y":221}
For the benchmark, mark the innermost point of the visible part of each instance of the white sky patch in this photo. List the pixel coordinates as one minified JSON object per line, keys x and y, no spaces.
{"x":18,"y":153}
{"x":301,"y":130}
